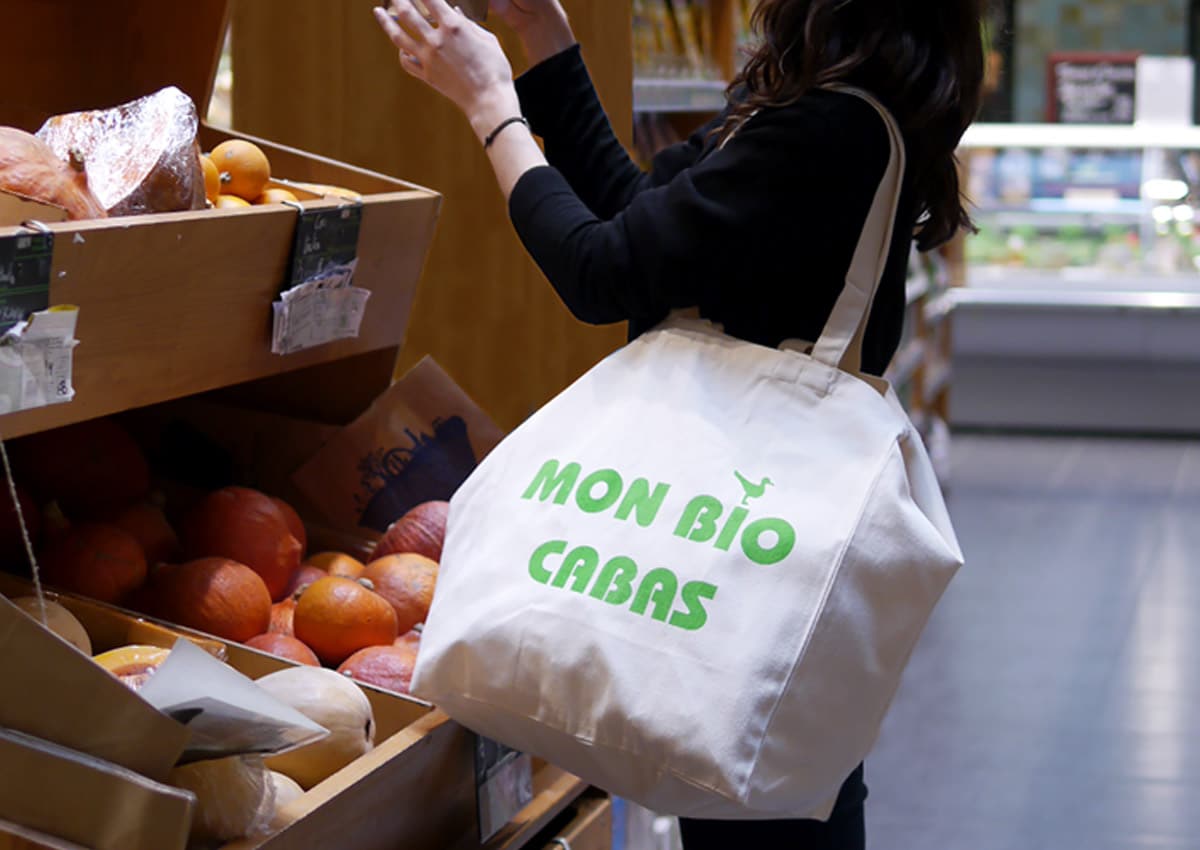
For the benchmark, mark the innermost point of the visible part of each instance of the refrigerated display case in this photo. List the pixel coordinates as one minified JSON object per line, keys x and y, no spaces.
{"x":1080,"y":303}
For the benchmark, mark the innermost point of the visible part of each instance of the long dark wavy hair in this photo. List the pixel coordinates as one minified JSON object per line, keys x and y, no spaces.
{"x":923,"y":59}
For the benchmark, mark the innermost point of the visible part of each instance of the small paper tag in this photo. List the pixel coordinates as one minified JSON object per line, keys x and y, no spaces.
{"x":503,"y":783}
{"x":25,"y":262}
{"x":319,"y":312}
{"x":36,"y":358}
{"x":319,"y":304}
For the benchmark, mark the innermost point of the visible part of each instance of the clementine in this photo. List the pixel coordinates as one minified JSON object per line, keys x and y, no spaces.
{"x":245,"y":169}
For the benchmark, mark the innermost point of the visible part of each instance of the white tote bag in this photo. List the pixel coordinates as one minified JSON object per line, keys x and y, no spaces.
{"x":695,"y":577}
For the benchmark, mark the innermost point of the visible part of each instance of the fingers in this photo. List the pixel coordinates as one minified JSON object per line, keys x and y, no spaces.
{"x":395,"y":32}
{"x":441,"y":12}
{"x":405,"y":42}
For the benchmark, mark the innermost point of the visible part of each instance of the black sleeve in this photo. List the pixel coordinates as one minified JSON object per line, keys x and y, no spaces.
{"x":560,"y":101}
{"x":767,"y":190}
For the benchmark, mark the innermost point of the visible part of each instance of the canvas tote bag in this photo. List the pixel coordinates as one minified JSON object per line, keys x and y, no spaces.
{"x":695,"y":577}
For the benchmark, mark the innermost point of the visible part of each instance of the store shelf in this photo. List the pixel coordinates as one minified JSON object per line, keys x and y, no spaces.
{"x":937,"y":379}
{"x":916,"y":289}
{"x":1081,"y":299}
{"x":678,"y":95}
{"x":937,"y":309}
{"x":906,"y":362}
{"x":1080,"y":136}
{"x":1045,"y":214}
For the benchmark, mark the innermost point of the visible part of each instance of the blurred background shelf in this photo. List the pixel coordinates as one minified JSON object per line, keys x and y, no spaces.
{"x":666,"y":95}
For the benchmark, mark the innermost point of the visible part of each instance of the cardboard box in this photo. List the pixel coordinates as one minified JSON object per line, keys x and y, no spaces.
{"x":175,"y":304}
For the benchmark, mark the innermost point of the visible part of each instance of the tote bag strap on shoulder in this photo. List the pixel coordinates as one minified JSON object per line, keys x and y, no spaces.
{"x":840,"y":344}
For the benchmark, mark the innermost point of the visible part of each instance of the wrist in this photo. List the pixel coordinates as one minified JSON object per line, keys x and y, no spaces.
{"x":491,"y":109}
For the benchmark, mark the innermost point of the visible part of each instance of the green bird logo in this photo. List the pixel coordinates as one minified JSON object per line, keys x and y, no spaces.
{"x":753,"y":491}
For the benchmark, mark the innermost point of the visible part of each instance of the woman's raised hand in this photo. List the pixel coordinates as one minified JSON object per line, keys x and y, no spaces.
{"x":455,"y":56}
{"x":541,"y":24}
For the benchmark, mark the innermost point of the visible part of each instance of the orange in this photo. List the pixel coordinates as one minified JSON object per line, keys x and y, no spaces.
{"x":244,"y":168}
{"x":226,"y":202}
{"x":336,"y":617}
{"x":406,"y":581}
{"x":212,"y":178}
{"x":275,"y":196}
{"x":337,"y":564}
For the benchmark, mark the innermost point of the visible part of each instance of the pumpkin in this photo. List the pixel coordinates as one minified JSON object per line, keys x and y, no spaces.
{"x":336,"y":617}
{"x":337,"y":564}
{"x":148,"y":524}
{"x":90,"y":468}
{"x":304,"y":576}
{"x":248,"y":527}
{"x":30,"y":169}
{"x":58,"y":620}
{"x":331,"y":700}
{"x":410,"y":638}
{"x":294,"y":523}
{"x":96,"y":560}
{"x":133,"y":664}
{"x":235,"y":797}
{"x":284,"y":646}
{"x":213,"y":595}
{"x":387,"y":667}
{"x":407,"y":582}
{"x":422,"y":530}
{"x":141,"y":156}
{"x":283,"y":614}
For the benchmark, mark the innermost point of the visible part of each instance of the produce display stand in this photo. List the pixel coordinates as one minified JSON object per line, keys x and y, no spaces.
{"x":318,"y":74}
{"x":179,"y":304}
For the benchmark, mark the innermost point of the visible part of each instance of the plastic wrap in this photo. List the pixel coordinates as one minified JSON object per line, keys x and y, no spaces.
{"x":140,"y":157}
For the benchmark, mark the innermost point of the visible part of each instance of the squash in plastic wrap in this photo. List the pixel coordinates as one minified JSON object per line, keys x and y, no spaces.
{"x":140,"y":157}
{"x":30,"y":169}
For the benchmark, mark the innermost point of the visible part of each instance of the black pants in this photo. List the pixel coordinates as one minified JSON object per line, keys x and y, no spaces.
{"x":844,"y":830}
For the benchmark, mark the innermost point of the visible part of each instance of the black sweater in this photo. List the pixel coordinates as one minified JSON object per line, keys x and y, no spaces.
{"x":758,"y":234}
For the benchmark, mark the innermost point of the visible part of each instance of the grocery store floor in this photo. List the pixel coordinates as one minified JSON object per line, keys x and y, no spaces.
{"x":1054,"y":701}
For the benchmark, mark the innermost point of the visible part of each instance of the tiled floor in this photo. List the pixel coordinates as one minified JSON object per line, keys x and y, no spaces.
{"x":1054,"y":701}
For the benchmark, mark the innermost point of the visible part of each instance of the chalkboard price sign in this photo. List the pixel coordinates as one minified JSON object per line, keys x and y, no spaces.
{"x":1092,"y":88}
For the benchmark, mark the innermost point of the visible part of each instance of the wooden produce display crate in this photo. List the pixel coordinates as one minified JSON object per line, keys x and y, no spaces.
{"x":173,"y":304}
{"x":178,"y":305}
{"x":414,"y":789}
{"x":585,"y":825}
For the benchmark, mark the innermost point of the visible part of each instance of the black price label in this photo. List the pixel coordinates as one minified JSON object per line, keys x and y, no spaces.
{"x":326,"y":240}
{"x":25,"y":262}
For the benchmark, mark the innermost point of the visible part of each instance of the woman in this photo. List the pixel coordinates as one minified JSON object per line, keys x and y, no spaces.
{"x":754,"y":219}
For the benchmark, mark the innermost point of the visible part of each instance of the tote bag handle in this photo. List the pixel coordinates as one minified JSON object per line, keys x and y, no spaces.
{"x":841,"y":342}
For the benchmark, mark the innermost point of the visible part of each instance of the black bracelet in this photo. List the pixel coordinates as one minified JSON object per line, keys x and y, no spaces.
{"x":516,"y":119}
